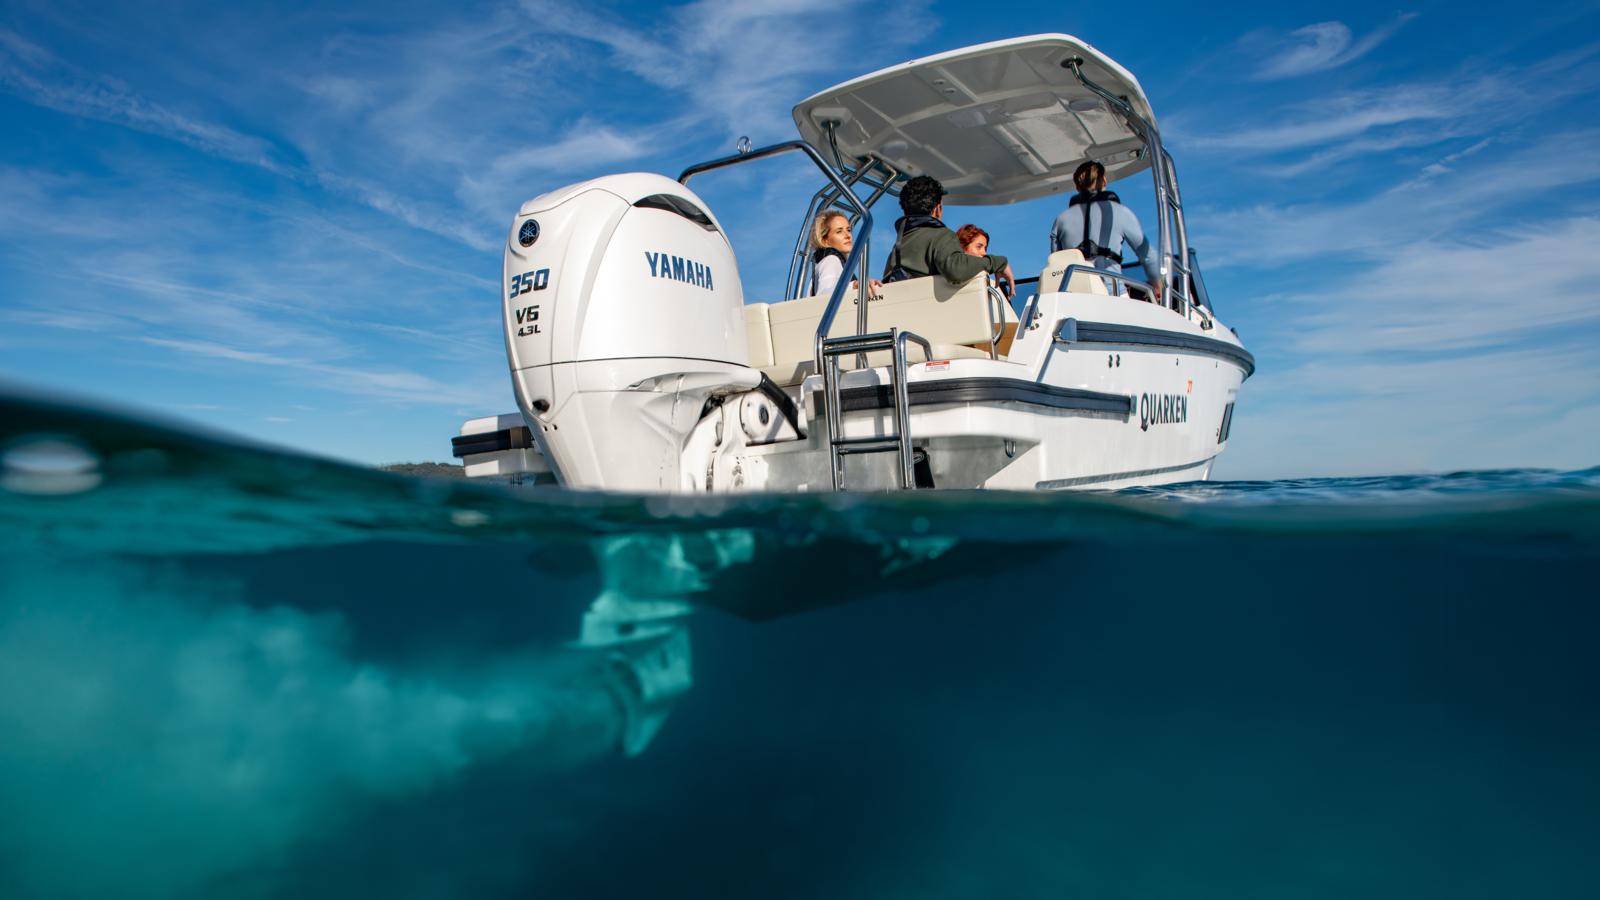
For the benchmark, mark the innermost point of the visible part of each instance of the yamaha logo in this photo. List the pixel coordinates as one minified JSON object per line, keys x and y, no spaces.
{"x":528,"y":233}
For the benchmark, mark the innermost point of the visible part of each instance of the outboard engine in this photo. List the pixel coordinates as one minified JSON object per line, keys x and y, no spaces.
{"x":623,"y":316}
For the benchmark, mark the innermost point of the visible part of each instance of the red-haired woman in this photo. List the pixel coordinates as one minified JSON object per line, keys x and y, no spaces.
{"x":973,"y":239}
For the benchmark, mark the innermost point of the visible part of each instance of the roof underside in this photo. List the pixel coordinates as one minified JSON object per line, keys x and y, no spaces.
{"x":996,"y":123}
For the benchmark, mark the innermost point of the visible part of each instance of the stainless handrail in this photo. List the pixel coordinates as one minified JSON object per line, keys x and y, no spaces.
{"x":1025,"y":318}
{"x":825,"y":198}
{"x":1159,"y":168}
{"x":997,"y":329}
{"x":902,"y":403}
{"x":851,"y":262}
{"x":1066,"y":278}
{"x":1181,"y":290}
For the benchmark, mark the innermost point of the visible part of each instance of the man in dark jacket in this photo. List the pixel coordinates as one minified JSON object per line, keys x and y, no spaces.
{"x":926,"y":247}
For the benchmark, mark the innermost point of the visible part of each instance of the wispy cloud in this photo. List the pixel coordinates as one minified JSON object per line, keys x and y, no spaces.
{"x":1460,"y":294}
{"x":284,"y":295}
{"x":408,"y":209}
{"x":1444,"y":165}
{"x":587,"y":145}
{"x":40,"y":77}
{"x":1458,"y":351}
{"x":742,"y":65}
{"x":1355,"y":229}
{"x":1323,"y":46}
{"x":1311,"y":134}
{"x":1438,"y":312}
{"x":387,"y":384}
{"x":1430,"y":309}
{"x":1347,"y":115}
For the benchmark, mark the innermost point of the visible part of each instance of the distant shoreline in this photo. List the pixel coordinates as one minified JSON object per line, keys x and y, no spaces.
{"x":427,"y":469}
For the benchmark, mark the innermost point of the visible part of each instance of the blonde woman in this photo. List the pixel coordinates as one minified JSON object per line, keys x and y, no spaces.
{"x":831,"y":242}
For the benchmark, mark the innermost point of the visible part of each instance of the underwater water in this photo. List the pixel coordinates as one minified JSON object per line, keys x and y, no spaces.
{"x":228,"y":671}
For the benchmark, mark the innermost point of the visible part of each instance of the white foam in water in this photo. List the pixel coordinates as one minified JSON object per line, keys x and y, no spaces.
{"x":43,"y":464}
{"x":154,"y":745}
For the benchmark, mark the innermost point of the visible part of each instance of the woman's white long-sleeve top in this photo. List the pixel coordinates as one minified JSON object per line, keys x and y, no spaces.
{"x":829,"y":268}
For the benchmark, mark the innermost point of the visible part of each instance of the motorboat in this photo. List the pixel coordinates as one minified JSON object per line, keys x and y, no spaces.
{"x":640,"y":365}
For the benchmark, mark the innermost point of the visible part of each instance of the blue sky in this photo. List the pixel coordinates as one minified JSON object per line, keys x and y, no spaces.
{"x":284,"y":221}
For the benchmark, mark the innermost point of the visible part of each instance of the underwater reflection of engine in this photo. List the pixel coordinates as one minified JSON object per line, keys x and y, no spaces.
{"x":639,"y":619}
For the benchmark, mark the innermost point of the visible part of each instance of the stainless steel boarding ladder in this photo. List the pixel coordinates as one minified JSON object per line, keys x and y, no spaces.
{"x":839,"y":446}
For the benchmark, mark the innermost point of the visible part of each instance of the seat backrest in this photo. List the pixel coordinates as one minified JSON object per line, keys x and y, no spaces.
{"x":932,"y":307}
{"x":758,"y":334}
{"x":1056,"y":266}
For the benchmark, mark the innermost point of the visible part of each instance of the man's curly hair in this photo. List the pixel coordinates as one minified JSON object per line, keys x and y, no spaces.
{"x":920,"y":195}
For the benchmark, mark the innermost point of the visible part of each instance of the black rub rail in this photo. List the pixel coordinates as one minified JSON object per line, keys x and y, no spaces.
{"x":984,"y":390}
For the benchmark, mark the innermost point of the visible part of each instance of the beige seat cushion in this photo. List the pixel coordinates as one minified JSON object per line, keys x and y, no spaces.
{"x":954,"y":318}
{"x":792,"y":373}
{"x":758,"y":334}
{"x":1082,"y":282}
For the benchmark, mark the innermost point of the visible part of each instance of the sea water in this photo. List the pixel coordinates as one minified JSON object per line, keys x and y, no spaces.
{"x":230,"y":671}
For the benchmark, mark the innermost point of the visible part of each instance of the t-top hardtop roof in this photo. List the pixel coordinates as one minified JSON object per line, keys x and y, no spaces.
{"x":996,"y":123}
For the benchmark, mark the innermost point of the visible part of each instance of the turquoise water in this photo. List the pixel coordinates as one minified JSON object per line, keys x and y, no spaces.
{"x":226,"y":671}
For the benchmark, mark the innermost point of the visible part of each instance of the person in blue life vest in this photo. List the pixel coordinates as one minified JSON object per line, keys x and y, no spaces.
{"x":1097,"y":224}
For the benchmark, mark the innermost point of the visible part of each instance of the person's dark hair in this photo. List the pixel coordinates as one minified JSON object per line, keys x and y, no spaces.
{"x":966,"y":234}
{"x":920,"y":195}
{"x":1088,"y":176}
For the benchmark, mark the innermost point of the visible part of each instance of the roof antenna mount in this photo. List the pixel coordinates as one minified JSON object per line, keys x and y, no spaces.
{"x":833,"y":142}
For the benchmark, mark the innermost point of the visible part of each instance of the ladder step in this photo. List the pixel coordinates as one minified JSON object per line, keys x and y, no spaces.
{"x":867,"y":445}
{"x":870,"y":336}
{"x":848,"y":346}
{"x":854,"y":349}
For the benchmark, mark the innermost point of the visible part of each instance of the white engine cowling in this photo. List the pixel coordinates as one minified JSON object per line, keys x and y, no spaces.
{"x":623,"y":314}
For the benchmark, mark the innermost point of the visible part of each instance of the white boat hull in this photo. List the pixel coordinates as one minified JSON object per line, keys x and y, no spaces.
{"x":1056,"y":414}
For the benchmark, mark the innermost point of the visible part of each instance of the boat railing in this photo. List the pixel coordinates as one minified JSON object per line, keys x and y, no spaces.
{"x":1031,"y":307}
{"x":1121,"y":279}
{"x":1172,"y":233}
{"x":851,"y":263}
{"x":874,"y":173}
{"x":997,"y":318}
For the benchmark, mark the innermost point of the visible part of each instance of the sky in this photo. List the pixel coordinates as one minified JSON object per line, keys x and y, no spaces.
{"x":285,"y":222}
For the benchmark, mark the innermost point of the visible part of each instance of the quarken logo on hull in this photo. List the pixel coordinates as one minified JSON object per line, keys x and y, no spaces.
{"x":679,"y":268}
{"x":1162,"y":409}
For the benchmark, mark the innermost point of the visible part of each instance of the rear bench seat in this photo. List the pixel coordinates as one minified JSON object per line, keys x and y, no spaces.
{"x":955,"y":319}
